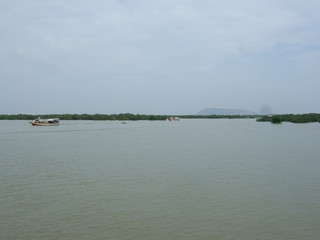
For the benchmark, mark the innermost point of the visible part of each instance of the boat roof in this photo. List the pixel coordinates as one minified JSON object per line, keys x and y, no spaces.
{"x":48,"y":119}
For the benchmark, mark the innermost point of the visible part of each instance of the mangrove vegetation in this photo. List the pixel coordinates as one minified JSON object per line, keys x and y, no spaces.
{"x":293,"y":118}
{"x":119,"y":117}
{"x":279,"y":118}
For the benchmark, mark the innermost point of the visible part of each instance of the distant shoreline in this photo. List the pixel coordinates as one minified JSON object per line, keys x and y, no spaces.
{"x":293,"y":118}
{"x":119,"y":117}
{"x":278,"y":118}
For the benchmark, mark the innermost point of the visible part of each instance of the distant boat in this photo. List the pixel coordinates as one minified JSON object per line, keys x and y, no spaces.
{"x":45,"y":122}
{"x":173,"y":119}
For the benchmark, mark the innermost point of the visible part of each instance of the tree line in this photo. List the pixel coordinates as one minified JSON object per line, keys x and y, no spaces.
{"x":294,"y":118}
{"x":119,"y":117}
{"x":219,"y":116}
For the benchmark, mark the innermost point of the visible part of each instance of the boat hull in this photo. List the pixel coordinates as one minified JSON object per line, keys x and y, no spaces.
{"x":44,"y":124}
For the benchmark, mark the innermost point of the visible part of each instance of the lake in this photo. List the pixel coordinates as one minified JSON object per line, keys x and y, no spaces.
{"x":206,"y":179}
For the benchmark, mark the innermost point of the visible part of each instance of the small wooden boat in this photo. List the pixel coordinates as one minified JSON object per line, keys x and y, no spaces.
{"x":45,"y":122}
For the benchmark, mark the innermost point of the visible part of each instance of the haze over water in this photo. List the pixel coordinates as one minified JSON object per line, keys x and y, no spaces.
{"x":193,"y":179}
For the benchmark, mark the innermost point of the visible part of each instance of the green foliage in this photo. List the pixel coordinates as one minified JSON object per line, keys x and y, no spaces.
{"x":119,"y":117}
{"x":218,"y":116}
{"x":276,"y":120}
{"x":303,"y":118}
{"x":294,"y":118}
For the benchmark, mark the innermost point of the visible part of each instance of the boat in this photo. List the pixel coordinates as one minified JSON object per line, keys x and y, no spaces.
{"x":45,"y":122}
{"x":173,"y":119}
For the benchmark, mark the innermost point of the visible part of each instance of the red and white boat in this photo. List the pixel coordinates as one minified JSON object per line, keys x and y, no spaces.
{"x":45,"y":122}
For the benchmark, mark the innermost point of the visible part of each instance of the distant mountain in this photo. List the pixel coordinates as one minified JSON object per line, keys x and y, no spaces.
{"x":223,"y":111}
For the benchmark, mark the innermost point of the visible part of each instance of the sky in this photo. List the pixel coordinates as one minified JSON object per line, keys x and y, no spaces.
{"x":159,"y":57}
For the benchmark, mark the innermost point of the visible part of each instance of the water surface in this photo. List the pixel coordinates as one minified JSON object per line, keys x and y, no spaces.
{"x":193,"y":179}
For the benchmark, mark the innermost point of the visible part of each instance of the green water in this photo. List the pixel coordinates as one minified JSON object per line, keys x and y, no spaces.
{"x":193,"y":179}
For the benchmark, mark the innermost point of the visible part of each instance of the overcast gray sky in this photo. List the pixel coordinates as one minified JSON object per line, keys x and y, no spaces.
{"x":159,"y":57}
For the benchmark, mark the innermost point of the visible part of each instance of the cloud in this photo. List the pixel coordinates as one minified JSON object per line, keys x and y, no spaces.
{"x":158,"y":28}
{"x":206,"y":45}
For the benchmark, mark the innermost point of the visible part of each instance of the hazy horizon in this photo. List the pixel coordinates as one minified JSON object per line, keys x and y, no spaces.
{"x":159,"y":57}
